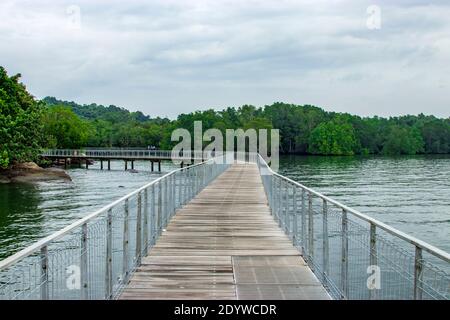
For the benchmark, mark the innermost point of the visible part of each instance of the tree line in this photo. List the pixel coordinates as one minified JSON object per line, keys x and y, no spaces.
{"x":304,"y":129}
{"x":28,"y":124}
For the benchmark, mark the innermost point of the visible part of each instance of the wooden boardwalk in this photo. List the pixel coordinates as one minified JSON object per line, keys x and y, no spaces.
{"x":225,"y":244}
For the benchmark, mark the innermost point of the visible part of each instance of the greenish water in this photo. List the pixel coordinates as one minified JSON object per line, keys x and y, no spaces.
{"x":409,"y":193}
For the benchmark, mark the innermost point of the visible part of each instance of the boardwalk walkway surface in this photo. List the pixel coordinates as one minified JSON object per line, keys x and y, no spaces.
{"x":225,"y":244}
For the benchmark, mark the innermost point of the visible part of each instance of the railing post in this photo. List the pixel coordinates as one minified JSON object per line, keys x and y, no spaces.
{"x":44,"y":273}
{"x":194,"y":181}
{"x":310,"y":228}
{"x":173,"y":193}
{"x":139,"y":230}
{"x":180,"y":188}
{"x":160,"y":208}
{"x":125,"y":242}
{"x":176,"y":191}
{"x":185,"y":171}
{"x":175,"y":201}
{"x":84,"y":263}
{"x":145,"y":249}
{"x":304,"y":242}
{"x":195,"y":177}
{"x":171,"y":211}
{"x":204,"y":176}
{"x":186,"y":186}
{"x":295,"y":216}
{"x":418,"y":274}
{"x":154,"y":217}
{"x":272,"y":195}
{"x":286,"y":209}
{"x":166,"y":203}
{"x":279,"y":208}
{"x":344,"y":259}
{"x":373,"y":256}
{"x":169,"y":197}
{"x":275,"y":199}
{"x":325,"y":245}
{"x":191,"y":184}
{"x":108,"y":269}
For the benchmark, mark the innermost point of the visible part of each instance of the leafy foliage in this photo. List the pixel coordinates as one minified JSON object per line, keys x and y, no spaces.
{"x":64,"y":129}
{"x":20,"y":125}
{"x":333,"y":138}
{"x":403,"y":140}
{"x":303,"y":129}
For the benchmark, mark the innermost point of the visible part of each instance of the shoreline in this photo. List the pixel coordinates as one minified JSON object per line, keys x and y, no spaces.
{"x":30,"y":172}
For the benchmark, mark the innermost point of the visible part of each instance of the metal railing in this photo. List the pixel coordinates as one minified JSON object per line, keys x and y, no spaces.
{"x":354,"y":255}
{"x":128,"y":154}
{"x":94,"y":257}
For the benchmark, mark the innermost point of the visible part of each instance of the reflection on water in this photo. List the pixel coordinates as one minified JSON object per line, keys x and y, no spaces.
{"x":409,"y":193}
{"x":19,"y":213}
{"x":30,"y":212}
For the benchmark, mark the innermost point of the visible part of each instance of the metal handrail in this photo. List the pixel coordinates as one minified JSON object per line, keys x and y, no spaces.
{"x":59,"y":234}
{"x":421,"y":275}
{"x":416,"y":242}
{"x":192,"y":181}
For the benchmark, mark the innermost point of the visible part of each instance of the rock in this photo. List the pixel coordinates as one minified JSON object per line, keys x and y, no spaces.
{"x":31,"y":172}
{"x":26,"y":166}
{"x":4,"y":179}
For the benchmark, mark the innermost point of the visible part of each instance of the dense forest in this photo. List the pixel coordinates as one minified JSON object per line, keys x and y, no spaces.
{"x":26,"y":125}
{"x":303,"y":129}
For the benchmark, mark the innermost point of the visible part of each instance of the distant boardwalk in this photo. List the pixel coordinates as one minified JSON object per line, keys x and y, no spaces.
{"x":224,"y":244}
{"x":68,"y":156}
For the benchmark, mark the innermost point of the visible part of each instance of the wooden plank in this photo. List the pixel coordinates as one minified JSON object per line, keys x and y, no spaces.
{"x":193,"y":258}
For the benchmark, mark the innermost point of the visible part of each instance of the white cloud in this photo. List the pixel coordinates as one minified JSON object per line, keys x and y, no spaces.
{"x":166,"y":57}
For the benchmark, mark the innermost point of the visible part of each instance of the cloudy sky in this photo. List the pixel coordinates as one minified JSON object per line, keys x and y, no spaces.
{"x":165,"y":57}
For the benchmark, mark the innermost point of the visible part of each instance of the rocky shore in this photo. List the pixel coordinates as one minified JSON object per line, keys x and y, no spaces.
{"x":31,"y":172}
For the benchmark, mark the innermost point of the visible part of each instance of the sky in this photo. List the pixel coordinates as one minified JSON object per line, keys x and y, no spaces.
{"x":166,"y":57}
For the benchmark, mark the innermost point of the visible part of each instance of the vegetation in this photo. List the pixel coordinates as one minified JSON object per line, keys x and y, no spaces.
{"x":20,"y":125}
{"x":26,"y":125}
{"x":303,"y":129}
{"x":64,"y":129}
{"x":333,"y":138}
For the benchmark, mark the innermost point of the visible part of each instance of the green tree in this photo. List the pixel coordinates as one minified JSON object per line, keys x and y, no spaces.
{"x":333,"y":138}
{"x":64,"y":128}
{"x":20,"y":128}
{"x":436,"y":135}
{"x":403,"y":140}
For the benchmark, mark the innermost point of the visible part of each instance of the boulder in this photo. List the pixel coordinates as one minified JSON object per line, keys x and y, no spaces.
{"x":31,"y":172}
{"x":4,"y":179}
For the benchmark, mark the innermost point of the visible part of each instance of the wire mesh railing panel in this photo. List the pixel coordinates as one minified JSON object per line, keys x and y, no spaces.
{"x":353,"y":255}
{"x":94,"y":257}
{"x":22,"y":281}
{"x":435,"y":282}
{"x":131,"y":154}
{"x":94,"y":281}
{"x":63,"y":260}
